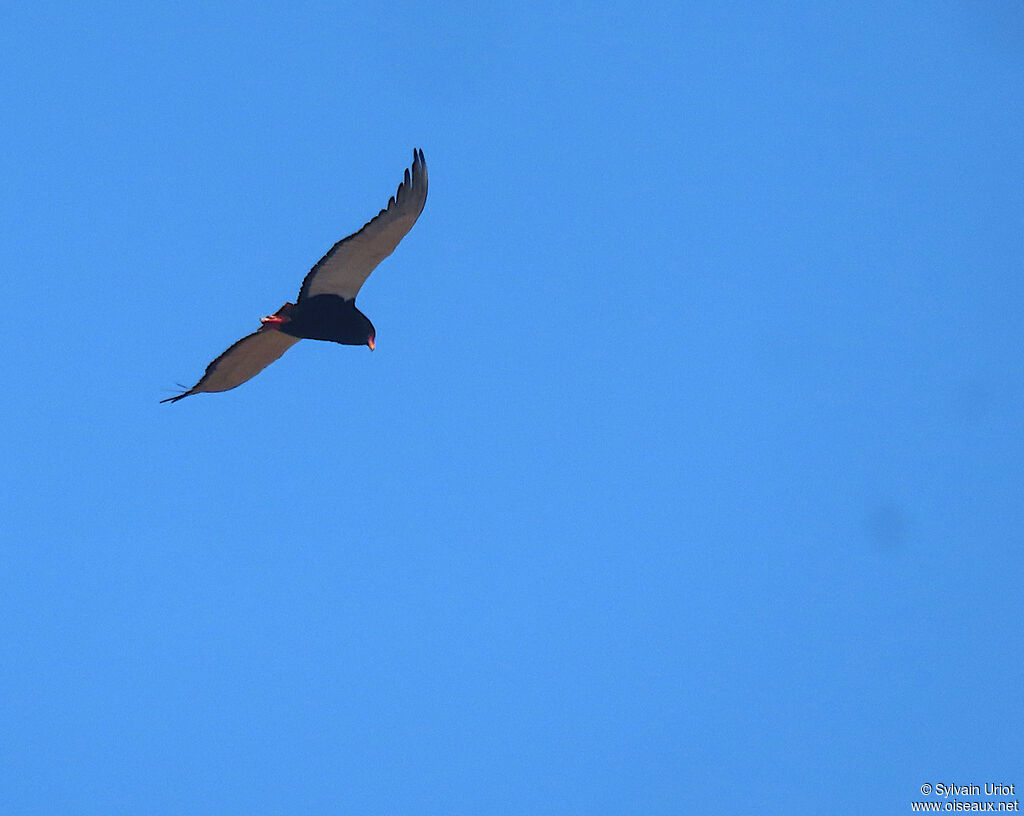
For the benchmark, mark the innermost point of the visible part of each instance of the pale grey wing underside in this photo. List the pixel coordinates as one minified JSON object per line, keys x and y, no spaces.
{"x":343,"y":270}
{"x":243,"y":361}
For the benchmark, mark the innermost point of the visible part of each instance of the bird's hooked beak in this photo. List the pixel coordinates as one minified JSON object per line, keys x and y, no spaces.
{"x":371,"y":343}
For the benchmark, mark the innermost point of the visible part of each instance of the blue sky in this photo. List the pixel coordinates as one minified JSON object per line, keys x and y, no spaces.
{"x":686,"y":475}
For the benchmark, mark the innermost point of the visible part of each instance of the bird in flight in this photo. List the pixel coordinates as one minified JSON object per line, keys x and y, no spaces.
{"x":326,"y":306}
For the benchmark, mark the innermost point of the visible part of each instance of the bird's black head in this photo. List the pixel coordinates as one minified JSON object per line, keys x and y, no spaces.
{"x":361,"y":331}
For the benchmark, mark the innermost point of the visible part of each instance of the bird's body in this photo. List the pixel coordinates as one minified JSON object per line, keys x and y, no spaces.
{"x":324,"y":317}
{"x":326,"y":307}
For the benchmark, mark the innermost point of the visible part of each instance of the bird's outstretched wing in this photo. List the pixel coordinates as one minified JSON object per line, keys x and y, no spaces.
{"x":243,"y":361}
{"x":349,"y":263}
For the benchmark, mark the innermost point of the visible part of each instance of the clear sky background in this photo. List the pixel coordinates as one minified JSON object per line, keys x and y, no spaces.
{"x":686,"y":476}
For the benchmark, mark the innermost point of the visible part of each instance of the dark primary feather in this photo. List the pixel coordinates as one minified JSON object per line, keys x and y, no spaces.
{"x":242,"y":361}
{"x":349,"y":263}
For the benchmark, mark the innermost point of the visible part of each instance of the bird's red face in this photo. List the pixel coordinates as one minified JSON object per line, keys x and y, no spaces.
{"x":372,"y":342}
